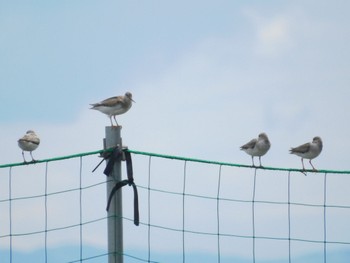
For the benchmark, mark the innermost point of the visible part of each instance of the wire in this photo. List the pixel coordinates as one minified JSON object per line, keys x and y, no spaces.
{"x":183,"y":230}
{"x":175,"y":158}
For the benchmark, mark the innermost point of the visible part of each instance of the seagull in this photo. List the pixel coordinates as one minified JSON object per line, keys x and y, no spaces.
{"x":308,"y":150}
{"x":114,"y":106}
{"x":257,"y":147}
{"x":29,"y":142}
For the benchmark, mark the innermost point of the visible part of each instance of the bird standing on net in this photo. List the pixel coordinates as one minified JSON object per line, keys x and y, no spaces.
{"x":257,"y":147}
{"x":114,"y":106}
{"x":29,"y":142}
{"x":308,"y":150}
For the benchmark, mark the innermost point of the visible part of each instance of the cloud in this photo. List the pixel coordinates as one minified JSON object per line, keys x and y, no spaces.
{"x":273,"y":34}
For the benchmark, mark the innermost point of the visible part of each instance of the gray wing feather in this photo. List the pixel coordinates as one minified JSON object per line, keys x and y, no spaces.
{"x":301,"y":149}
{"x":109,"y":102}
{"x":250,"y":144}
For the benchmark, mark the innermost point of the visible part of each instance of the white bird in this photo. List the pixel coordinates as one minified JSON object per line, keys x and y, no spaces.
{"x":308,"y":150}
{"x":114,"y":106}
{"x":29,"y":142}
{"x":257,"y":147}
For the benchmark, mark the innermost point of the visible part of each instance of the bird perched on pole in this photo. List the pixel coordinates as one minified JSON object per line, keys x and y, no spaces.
{"x":29,"y":142}
{"x":308,"y":150}
{"x":257,"y":147}
{"x":114,"y":106}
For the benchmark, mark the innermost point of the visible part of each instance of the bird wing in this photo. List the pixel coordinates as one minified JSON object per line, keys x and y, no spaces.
{"x":28,"y":138}
{"x":301,"y":149}
{"x":109,"y":102}
{"x":250,"y":144}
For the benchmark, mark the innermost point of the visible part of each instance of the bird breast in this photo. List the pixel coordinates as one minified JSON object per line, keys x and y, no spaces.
{"x":27,"y":145}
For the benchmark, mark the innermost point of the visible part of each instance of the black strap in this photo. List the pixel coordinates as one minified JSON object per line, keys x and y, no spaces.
{"x":132,"y":183}
{"x":117,"y":155}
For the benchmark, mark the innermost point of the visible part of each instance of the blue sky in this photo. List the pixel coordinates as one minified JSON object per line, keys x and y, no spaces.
{"x":244,"y":67}
{"x":207,"y":76}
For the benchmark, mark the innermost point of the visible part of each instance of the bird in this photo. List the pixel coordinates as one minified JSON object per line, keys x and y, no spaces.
{"x":29,"y":142}
{"x":114,"y":106}
{"x":257,"y":147}
{"x":308,"y":150}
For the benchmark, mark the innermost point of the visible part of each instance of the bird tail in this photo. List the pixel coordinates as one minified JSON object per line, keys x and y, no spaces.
{"x":93,"y":106}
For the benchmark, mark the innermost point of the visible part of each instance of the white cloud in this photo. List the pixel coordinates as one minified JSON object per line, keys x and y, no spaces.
{"x":273,"y":34}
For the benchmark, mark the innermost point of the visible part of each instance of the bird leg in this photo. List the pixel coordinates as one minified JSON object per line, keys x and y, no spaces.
{"x":302,"y":162}
{"x":33,"y":160}
{"x":110,"y":118}
{"x":24,"y":159}
{"x":115,"y":120}
{"x":253,"y":161}
{"x":303,"y":171}
{"x":260,"y":161}
{"x":312,"y":166}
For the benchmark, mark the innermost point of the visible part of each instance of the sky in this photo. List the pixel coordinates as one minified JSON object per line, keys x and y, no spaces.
{"x":206,"y":76}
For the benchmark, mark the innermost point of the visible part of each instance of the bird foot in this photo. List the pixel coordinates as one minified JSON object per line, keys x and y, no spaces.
{"x":304,"y":172}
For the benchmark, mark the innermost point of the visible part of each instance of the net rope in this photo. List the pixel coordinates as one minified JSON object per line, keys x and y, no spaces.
{"x":186,"y":196}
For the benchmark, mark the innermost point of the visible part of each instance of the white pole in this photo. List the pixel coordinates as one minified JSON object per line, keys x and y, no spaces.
{"x":115,"y":213}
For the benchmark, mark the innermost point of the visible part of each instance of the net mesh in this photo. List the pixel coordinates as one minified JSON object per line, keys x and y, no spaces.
{"x":190,"y":211}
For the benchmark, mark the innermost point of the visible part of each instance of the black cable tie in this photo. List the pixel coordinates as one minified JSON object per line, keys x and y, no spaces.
{"x":116,"y":155}
{"x":98,"y":165}
{"x":105,"y":155}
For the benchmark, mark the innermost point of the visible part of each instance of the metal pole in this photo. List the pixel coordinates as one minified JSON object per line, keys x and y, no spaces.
{"x":115,"y":213}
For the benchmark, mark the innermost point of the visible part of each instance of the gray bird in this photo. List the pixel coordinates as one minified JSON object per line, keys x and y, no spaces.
{"x":29,"y":142}
{"x":308,"y":150}
{"x":114,"y":106}
{"x":257,"y":147}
